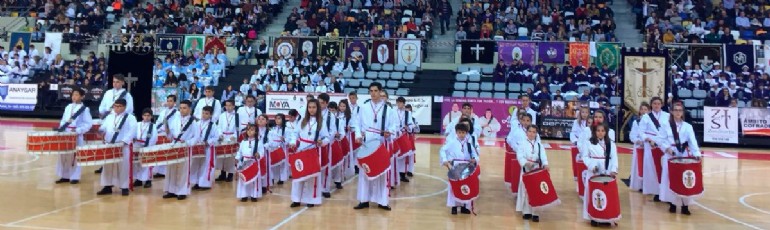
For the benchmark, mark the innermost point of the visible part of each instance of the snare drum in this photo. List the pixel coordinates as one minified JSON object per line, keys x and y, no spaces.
{"x":163,"y":140}
{"x":163,"y":154}
{"x":464,"y":181}
{"x":603,"y":201}
{"x":226,"y":149}
{"x":248,"y":171}
{"x":373,"y":158}
{"x":93,"y":133}
{"x":685,"y":177}
{"x":51,"y":142}
{"x":99,"y":154}
{"x":198,"y":150}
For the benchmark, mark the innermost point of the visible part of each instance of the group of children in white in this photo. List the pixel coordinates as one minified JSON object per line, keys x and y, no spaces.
{"x":324,"y":122}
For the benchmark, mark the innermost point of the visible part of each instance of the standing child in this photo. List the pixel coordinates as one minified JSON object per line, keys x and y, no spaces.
{"x":228,"y":126}
{"x":76,"y":118}
{"x":531,"y":155}
{"x":200,"y":168}
{"x":601,"y":158}
{"x":311,"y":134}
{"x":456,"y":150}
{"x":279,"y":135}
{"x":118,"y":128}
{"x":252,"y":150}
{"x":146,"y":135}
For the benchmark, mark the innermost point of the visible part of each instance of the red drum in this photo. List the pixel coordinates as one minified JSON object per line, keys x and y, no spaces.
{"x":355,"y":144}
{"x":373,"y":158}
{"x":685,"y":176}
{"x":575,"y":161}
{"x":99,"y":154}
{"x":248,"y":171}
{"x":540,"y":189}
{"x":51,"y":142}
{"x":305,"y":164}
{"x":163,"y":140}
{"x":509,"y":154}
{"x":405,"y":145}
{"x":198,"y":150}
{"x":242,"y":136}
{"x":515,"y":171}
{"x":466,"y":189}
{"x":582,"y":170}
{"x":226,"y":149}
{"x":345,"y":144}
{"x":603,"y":201}
{"x":277,"y":156}
{"x":93,"y":133}
{"x":337,"y":154}
{"x":395,"y":149}
{"x":639,"y":161}
{"x":163,"y":154}
{"x":657,"y":155}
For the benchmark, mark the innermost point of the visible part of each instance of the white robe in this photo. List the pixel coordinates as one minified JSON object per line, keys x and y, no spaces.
{"x":202,"y":167}
{"x":110,"y":97}
{"x":178,"y":175}
{"x":455,"y":151}
{"x":116,"y":174}
{"x":686,"y":135}
{"x":634,"y":136}
{"x":343,"y":170}
{"x":229,"y":133}
{"x":309,"y":190}
{"x":246,"y":151}
{"x":577,"y":129}
{"x":330,"y":125}
{"x":450,"y":117}
{"x":65,"y":165}
{"x":161,"y":125}
{"x":142,"y":129}
{"x":365,"y":127}
{"x":277,"y":137}
{"x":246,"y":116}
{"x":476,"y":127}
{"x":594,"y":159}
{"x":203,"y":102}
{"x":650,"y":183}
{"x":532,"y":152}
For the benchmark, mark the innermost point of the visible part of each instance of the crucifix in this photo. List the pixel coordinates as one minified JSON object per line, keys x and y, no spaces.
{"x":644,"y":70}
{"x":706,"y":61}
{"x":477,"y":49}
{"x":130,"y":81}
{"x":409,"y":51}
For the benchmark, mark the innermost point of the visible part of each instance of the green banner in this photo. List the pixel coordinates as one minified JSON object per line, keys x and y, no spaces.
{"x":609,"y":54}
{"x":194,"y":43}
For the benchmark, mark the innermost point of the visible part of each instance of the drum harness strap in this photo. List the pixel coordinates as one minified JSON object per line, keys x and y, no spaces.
{"x":267,"y":159}
{"x":607,"y":150}
{"x":73,"y":117}
{"x":184,"y":129}
{"x":211,"y":149}
{"x":149,"y":134}
{"x":122,"y":96}
{"x":680,"y":147}
{"x":165,"y":120}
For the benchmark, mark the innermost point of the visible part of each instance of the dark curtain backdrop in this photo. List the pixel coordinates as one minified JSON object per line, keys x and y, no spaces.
{"x":138,"y":62}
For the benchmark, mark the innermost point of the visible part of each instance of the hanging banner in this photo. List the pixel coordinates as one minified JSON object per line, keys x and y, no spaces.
{"x":168,"y":43}
{"x":18,"y":97}
{"x":492,"y":110}
{"x":194,"y":43}
{"x":357,"y":48}
{"x":720,"y":125}
{"x":557,"y":118}
{"x":21,"y":39}
{"x":738,"y":56}
{"x":330,"y":47}
{"x":706,"y":56}
{"x":308,"y":45}
{"x":383,"y":51}
{"x":410,"y":52}
{"x":551,"y":52}
{"x":607,"y":54}
{"x":579,"y":54}
{"x":215,"y":44}
{"x":53,"y":41}
{"x":645,"y":78}
{"x":755,"y":122}
{"x":507,"y":51}
{"x":477,"y":51}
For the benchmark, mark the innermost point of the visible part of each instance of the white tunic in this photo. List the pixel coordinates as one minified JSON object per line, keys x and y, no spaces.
{"x":634,"y":137}
{"x":163,"y":119}
{"x":456,"y":151}
{"x":309,"y":190}
{"x":650,"y":183}
{"x":117,"y":174}
{"x":113,"y":95}
{"x":368,"y":126}
{"x":203,"y":102}
{"x":246,"y":152}
{"x":65,"y":165}
{"x":143,"y":131}
{"x":528,"y":151}
{"x":691,"y":149}
{"x":177,"y":175}
{"x":247,"y":115}
{"x":578,"y":128}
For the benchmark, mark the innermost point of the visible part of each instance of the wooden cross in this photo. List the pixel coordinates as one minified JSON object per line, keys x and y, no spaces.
{"x":130,"y":81}
{"x":644,"y":70}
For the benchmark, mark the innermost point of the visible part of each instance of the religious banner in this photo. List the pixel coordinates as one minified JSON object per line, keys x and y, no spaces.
{"x":53,"y":41}
{"x":507,"y":51}
{"x":308,"y":45}
{"x":132,"y":40}
{"x":168,"y":43}
{"x":579,"y":54}
{"x":330,"y":47}
{"x":738,"y":56}
{"x":492,"y":110}
{"x":678,"y":54}
{"x":357,"y":48}
{"x":20,"y":39}
{"x":645,"y":77}
{"x":284,"y":47}
{"x":410,"y":52}
{"x":477,"y":51}
{"x":383,"y":51}
{"x":705,"y":56}
{"x":720,"y":125}
{"x":215,"y":44}
{"x":551,"y":52}
{"x":755,"y":122}
{"x":193,"y":43}
{"x":607,"y":54}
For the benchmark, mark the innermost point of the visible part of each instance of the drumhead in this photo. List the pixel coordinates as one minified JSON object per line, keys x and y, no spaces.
{"x":461,"y":171}
{"x":50,"y":133}
{"x":368,"y":148}
{"x":602,"y":179}
{"x":684,"y":160}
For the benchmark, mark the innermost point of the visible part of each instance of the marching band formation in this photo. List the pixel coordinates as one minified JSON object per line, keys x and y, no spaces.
{"x":327,"y":143}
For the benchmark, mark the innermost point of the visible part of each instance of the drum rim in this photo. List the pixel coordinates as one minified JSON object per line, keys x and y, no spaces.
{"x":676,"y":159}
{"x":602,"y":176}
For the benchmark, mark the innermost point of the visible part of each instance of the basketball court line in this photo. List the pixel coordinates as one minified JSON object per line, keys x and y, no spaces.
{"x":726,"y":155}
{"x":294,"y":215}
{"x":743,"y":202}
{"x":34,"y":158}
{"x":31,"y":227}
{"x":420,"y":196}
{"x":23,"y":171}
{"x":722,"y":214}
{"x":52,"y":212}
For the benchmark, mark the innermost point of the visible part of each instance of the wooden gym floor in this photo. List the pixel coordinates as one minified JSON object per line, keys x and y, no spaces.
{"x":737,"y":197}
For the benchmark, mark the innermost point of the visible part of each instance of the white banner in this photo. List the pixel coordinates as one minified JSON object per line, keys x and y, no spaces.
{"x":410,"y":52}
{"x":53,"y":41}
{"x":720,"y":125}
{"x":18,"y":97}
{"x":277,"y":102}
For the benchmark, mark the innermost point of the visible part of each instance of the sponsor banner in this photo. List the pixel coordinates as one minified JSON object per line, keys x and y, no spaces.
{"x":92,"y":93}
{"x":18,"y":97}
{"x":755,"y":122}
{"x":278,"y":102}
{"x":555,"y":127}
{"x":488,"y":111}
{"x":720,"y":125}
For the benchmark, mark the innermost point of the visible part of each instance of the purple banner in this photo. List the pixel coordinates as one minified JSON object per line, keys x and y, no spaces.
{"x":508,"y":51}
{"x":357,"y":49}
{"x":551,"y":52}
{"x":491,"y":114}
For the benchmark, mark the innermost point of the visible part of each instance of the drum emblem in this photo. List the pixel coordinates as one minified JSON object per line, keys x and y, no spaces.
{"x":544,"y":187}
{"x":299,"y":166}
{"x":366,"y":168}
{"x":599,"y":199}
{"x":465,"y":189}
{"x":688,"y":179}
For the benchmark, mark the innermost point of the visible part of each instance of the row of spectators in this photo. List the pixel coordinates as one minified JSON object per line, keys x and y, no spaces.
{"x":723,"y":84}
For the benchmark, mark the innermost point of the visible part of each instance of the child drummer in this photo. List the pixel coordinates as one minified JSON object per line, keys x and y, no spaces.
{"x":458,"y":150}
{"x":531,"y":156}
{"x":228,"y":125}
{"x":200,"y":168}
{"x":250,"y":150}
{"x":146,"y":135}
{"x":118,"y":128}
{"x":76,"y":118}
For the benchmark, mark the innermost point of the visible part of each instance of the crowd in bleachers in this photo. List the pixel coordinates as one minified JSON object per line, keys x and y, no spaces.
{"x":570,"y":20}
{"x":721,"y":86}
{"x":701,"y":21}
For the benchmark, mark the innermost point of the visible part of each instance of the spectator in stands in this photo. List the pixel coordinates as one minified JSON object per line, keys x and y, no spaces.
{"x":723,"y":98}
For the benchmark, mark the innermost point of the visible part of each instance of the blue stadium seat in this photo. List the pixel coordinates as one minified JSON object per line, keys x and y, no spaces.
{"x":458,"y":94}
{"x":699,"y":94}
{"x":485,"y":94}
{"x":358,"y":74}
{"x":513,"y":95}
{"x":375,"y":67}
{"x":684,"y":93}
{"x":402,"y":92}
{"x":371,"y":75}
{"x":486,"y":86}
{"x":474,"y":77}
{"x":614,"y":100}
{"x":396,"y":75}
{"x":499,"y":87}
{"x":473,"y":86}
{"x":499,"y":95}
{"x":400,"y":68}
{"x":461,"y":77}
{"x":409,"y":76}
{"x":471,"y":94}
{"x":411,"y":68}
{"x":460,"y":86}
{"x":383,"y":75}
{"x":387,"y":67}
{"x":514,"y":87}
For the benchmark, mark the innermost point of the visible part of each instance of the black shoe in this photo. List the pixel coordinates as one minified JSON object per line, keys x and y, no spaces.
{"x":355,"y":168}
{"x":253,"y":199}
{"x":244,"y":199}
{"x":98,"y":170}
{"x":105,"y":191}
{"x":362,"y":205}
{"x":148,"y":184}
{"x":62,"y":180}
{"x":464,"y":210}
{"x":196,"y":187}
{"x":124,"y":192}
{"x":327,"y":195}
{"x":204,"y":188}
{"x":409,"y":174}
{"x":527,"y":216}
{"x":454,"y":210}
{"x":222,"y":177}
{"x":169,"y":195}
{"x":137,"y":183}
{"x":264,"y":190}
{"x":310,"y":205}
{"x":338,"y":185}
{"x":594,"y":223}
{"x":158,"y":175}
{"x":294,"y":204}
{"x":280,"y":182}
{"x":75,"y":182}
{"x":386,"y":208}
{"x":403,"y":177}
{"x":685,"y":210}
{"x":392,"y":187}
{"x":229,"y":177}
{"x":656,"y":198}
{"x":181,"y":197}
{"x":671,"y":208}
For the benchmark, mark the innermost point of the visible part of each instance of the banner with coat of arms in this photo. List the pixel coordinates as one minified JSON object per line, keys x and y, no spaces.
{"x":706,"y":56}
{"x":645,"y":78}
{"x":214,"y":44}
{"x":330,"y":47}
{"x":383,"y":51}
{"x":284,"y":47}
{"x":194,"y":43}
{"x":579,"y":54}
{"x":738,"y":56}
{"x":410,"y":52}
{"x":21,"y":39}
{"x":308,"y":45}
{"x":507,"y":51}
{"x":607,"y":54}
{"x":551,"y":52}
{"x":357,"y":48}
{"x":168,"y":43}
